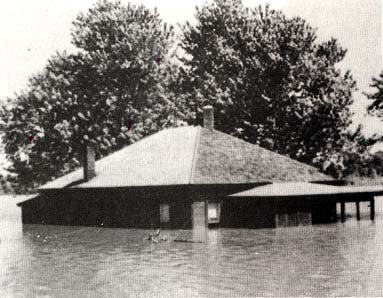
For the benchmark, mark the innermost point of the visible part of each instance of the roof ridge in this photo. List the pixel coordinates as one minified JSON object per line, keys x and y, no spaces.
{"x":195,"y":150}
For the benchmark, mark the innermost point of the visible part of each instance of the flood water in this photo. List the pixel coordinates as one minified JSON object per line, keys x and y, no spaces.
{"x":323,"y":260}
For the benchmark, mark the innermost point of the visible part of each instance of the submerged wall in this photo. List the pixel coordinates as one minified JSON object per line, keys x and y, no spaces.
{"x":247,"y":213}
{"x":277,"y":212}
{"x":127,"y":208}
{"x":106,"y":210}
{"x":142,"y":209}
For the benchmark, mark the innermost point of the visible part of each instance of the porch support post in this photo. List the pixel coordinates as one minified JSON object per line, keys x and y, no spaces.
{"x":357,"y":210}
{"x":343,"y":211}
{"x":372,"y":208}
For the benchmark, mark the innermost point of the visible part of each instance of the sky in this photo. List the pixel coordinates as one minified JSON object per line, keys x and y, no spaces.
{"x":32,"y":31}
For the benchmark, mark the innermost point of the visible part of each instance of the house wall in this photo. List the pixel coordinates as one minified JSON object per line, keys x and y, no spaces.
{"x":259,"y":213}
{"x":140,"y":208}
{"x":108,"y":210}
{"x":125,"y":208}
{"x":247,"y":213}
{"x":307,"y":210}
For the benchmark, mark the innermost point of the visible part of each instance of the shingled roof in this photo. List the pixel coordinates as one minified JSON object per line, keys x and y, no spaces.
{"x":190,"y":155}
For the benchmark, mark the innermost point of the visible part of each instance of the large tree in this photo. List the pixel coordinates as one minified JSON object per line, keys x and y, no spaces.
{"x":111,"y":92}
{"x":269,"y":78}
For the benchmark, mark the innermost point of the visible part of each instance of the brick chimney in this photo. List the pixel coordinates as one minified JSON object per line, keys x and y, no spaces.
{"x":89,"y":162}
{"x":208,"y":117}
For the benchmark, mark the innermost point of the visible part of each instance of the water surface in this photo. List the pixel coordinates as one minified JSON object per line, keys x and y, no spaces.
{"x":323,"y":260}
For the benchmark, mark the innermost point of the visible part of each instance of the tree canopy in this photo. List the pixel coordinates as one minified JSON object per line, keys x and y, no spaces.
{"x":270,"y":80}
{"x":376,"y":97}
{"x":268,"y":77}
{"x":111,"y":92}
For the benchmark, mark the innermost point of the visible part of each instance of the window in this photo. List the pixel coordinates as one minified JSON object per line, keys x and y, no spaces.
{"x":213,"y":212}
{"x":164,"y":213}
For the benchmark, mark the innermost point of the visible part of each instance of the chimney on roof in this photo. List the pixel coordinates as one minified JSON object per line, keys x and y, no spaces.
{"x":208,"y":117}
{"x":89,"y":162}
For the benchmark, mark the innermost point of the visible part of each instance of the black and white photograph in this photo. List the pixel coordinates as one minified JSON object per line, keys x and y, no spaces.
{"x":201,"y":148}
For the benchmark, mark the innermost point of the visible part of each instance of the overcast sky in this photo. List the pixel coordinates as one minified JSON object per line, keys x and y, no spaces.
{"x":31,"y":31}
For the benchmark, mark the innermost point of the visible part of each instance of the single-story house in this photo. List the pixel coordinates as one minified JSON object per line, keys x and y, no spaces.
{"x":185,"y":177}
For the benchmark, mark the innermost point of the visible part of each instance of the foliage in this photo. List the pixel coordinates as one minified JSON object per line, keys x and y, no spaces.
{"x":271,"y":82}
{"x":350,"y":157}
{"x":376,"y":106}
{"x":5,"y":185}
{"x":111,"y":92}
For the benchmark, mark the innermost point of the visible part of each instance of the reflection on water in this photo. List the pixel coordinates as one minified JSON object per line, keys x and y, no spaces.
{"x":325,"y":260}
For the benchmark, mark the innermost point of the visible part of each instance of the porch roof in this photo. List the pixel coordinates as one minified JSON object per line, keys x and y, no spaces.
{"x":299,"y":189}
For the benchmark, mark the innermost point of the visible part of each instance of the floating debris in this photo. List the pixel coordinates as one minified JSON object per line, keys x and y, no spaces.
{"x":155,"y":237}
{"x":187,"y":241}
